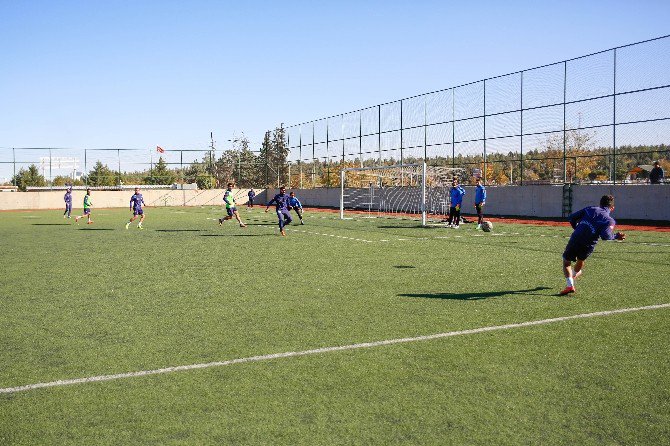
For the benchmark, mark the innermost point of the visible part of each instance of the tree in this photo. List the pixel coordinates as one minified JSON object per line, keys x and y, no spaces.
{"x":160,"y":174}
{"x":62,"y":180}
{"x":101,"y":175}
{"x":30,"y":177}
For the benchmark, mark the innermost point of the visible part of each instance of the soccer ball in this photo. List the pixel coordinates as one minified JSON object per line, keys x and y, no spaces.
{"x":487,"y":226}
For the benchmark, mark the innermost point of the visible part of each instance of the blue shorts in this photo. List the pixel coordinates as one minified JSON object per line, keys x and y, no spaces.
{"x":87,"y":211}
{"x":231,"y":211}
{"x":574,"y":251}
{"x":138,"y":211}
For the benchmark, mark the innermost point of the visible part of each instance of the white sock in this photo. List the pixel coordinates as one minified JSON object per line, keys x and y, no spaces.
{"x":570,"y":281}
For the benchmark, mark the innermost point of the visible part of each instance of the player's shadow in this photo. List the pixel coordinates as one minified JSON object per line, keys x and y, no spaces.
{"x":404,"y":266}
{"x":237,"y":235}
{"x":180,"y":230}
{"x":477,"y":295}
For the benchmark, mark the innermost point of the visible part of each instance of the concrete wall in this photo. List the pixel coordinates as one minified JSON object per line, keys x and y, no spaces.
{"x":114,"y":199}
{"x":633,"y":202}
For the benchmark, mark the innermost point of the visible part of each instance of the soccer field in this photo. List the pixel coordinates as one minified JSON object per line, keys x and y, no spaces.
{"x":253,"y":320}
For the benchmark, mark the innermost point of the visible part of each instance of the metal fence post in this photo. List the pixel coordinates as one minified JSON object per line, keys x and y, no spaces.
{"x":565,"y":86}
{"x":614,"y":122}
{"x":485,"y":165}
{"x":521,"y":132}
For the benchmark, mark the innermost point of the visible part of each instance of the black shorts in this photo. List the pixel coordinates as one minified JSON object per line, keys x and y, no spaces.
{"x":574,"y":251}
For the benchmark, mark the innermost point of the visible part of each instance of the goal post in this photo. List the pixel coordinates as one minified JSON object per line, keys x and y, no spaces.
{"x":409,"y":191}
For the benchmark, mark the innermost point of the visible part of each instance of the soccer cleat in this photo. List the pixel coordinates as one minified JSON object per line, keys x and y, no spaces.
{"x":479,"y":226}
{"x":567,"y":290}
{"x":302,"y":222}
{"x":220,"y":221}
{"x":127,"y":225}
{"x":283,"y":233}
{"x":139,"y":227}
{"x":76,"y":219}
{"x":456,"y":227}
{"x":242,"y":225}
{"x":90,"y":222}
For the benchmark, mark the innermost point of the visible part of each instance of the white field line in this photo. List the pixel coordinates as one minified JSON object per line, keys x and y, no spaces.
{"x":317,"y":351}
{"x":331,"y":235}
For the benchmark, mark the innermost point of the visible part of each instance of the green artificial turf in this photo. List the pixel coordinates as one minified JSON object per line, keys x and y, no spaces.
{"x":88,"y":300}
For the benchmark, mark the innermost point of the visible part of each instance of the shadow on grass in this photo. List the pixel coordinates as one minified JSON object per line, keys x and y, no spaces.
{"x":404,"y":266}
{"x":237,"y":235}
{"x":477,"y":296}
{"x":180,"y":230}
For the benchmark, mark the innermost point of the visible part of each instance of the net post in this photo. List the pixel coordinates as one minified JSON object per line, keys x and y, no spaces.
{"x":423,"y":193}
{"x":342,"y":194}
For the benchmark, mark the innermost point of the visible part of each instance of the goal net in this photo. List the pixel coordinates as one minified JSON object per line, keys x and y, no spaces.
{"x":413,"y":191}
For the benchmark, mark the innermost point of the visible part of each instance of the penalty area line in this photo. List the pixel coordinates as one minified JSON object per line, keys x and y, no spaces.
{"x":316,"y":351}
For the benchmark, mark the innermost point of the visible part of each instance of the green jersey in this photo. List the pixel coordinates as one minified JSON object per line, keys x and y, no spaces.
{"x":87,"y":201}
{"x":229,"y":199}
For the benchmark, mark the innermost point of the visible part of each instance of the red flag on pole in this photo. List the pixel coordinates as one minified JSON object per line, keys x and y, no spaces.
{"x":159,"y":149}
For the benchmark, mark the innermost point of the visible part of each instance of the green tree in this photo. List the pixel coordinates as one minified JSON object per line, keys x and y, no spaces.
{"x":160,"y":174}
{"x":101,"y":175}
{"x":29,"y":177}
{"x":62,"y":180}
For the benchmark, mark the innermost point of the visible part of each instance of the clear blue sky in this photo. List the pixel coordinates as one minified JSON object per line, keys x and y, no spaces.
{"x":135,"y":74}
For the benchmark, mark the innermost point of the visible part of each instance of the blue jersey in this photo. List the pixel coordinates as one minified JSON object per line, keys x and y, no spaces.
{"x":251,"y":194}
{"x":136,"y":201}
{"x":68,"y":197}
{"x":280,"y":201}
{"x":590,"y":224}
{"x":480,"y":194}
{"x":294,"y":202}
{"x":456,"y":194}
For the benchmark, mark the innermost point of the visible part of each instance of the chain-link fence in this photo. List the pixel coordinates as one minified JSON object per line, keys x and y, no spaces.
{"x":600,"y":118}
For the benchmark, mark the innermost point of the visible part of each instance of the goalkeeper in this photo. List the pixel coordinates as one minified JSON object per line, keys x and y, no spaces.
{"x":589,"y":224}
{"x":294,"y":203}
{"x":456,"y":195}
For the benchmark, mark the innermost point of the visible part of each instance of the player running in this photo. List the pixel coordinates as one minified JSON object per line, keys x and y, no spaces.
{"x":231,"y":209}
{"x":88,"y":204}
{"x":281,"y":205}
{"x":251,"y":194}
{"x":294,"y":203}
{"x":136,"y":203}
{"x":480,"y":201}
{"x":68,"y":203}
{"x":589,"y":224}
{"x":456,"y":193}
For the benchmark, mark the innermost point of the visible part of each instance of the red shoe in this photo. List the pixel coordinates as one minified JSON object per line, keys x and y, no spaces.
{"x":567,"y":290}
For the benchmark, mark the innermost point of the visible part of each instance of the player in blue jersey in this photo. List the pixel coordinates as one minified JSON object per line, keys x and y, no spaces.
{"x":294,"y":203}
{"x":68,"y":202}
{"x":456,"y":194}
{"x":251,"y":194}
{"x":281,"y":206}
{"x":480,"y":201}
{"x":136,"y":203}
{"x":231,"y":208}
{"x":589,"y":225}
